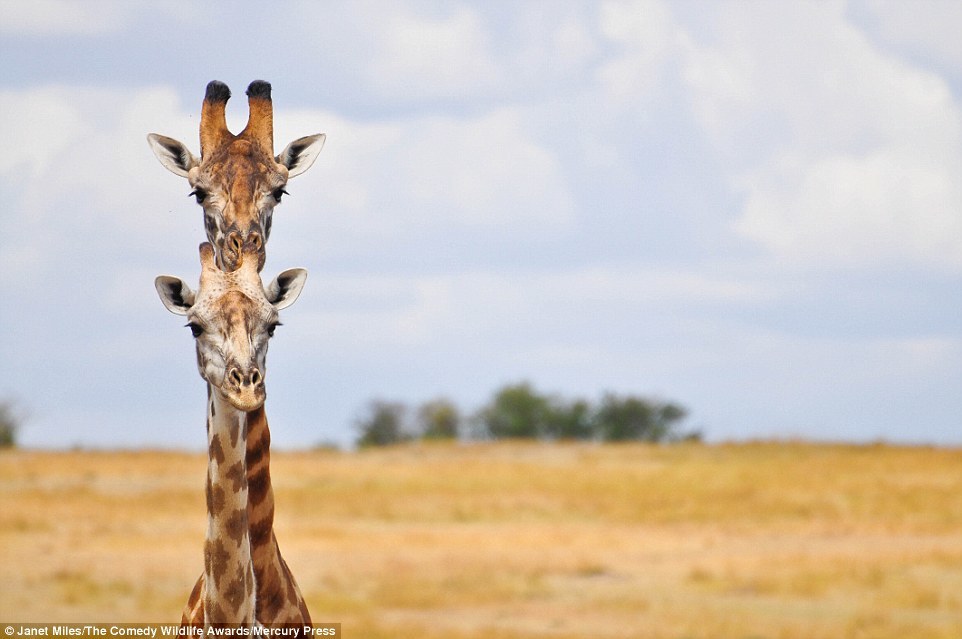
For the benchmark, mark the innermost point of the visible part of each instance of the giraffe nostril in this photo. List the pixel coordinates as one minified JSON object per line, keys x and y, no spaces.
{"x":255,"y":239}
{"x":256,"y":379}
{"x":235,"y":376}
{"x":235,"y":242}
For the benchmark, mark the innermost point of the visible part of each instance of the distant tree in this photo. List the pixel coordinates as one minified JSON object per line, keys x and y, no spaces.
{"x":438,"y":419}
{"x":623,"y":419}
{"x":516,"y":412}
{"x":382,"y":425}
{"x":570,"y":420}
{"x":9,"y":424}
{"x":634,"y":418}
{"x":669,"y":416}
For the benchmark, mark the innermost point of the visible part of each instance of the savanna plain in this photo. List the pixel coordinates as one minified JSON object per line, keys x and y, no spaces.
{"x":517,"y":540}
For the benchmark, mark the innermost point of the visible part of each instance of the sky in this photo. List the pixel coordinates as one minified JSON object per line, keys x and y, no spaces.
{"x":753,"y":209}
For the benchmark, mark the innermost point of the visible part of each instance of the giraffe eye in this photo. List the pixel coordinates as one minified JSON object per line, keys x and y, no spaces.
{"x":272,"y":328}
{"x":195,"y":329}
{"x":278,"y":193}
{"x":200,"y":194}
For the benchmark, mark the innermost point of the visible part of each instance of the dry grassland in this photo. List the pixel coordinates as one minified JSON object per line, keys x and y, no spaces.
{"x":776,"y":541}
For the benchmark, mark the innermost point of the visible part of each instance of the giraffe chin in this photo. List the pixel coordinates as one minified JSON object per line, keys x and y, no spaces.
{"x":245,"y":399}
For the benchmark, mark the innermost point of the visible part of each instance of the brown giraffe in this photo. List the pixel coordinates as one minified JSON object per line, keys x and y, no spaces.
{"x":232,"y":316}
{"x":237,"y":179}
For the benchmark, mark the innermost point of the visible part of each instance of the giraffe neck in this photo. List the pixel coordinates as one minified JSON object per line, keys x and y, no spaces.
{"x":228,"y":568}
{"x":278,"y":596}
{"x":260,"y":502}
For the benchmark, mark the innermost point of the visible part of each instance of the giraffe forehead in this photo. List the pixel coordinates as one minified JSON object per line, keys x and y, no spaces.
{"x":237,"y":305}
{"x":238,"y":302}
{"x":241,"y":162}
{"x":235,"y":308}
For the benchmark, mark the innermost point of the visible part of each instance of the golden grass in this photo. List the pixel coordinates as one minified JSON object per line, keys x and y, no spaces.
{"x":766,"y":540}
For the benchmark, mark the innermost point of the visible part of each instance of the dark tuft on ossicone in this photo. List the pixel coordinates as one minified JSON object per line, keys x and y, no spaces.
{"x":217,"y":92}
{"x":259,"y":89}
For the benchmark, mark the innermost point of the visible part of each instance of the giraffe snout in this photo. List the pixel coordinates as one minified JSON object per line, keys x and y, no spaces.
{"x":235,"y":243}
{"x":240,"y":378}
{"x":245,"y":386}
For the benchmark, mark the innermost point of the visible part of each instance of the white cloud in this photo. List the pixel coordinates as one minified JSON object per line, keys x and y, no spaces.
{"x":845,"y":155}
{"x":882,"y":208}
{"x":927,"y":27}
{"x":365,"y":313}
{"x":722,"y":82}
{"x":431,"y":57}
{"x":804,"y":73}
{"x":426,"y":174}
{"x":56,"y":17}
{"x":83,"y":17}
{"x":645,"y":36}
{"x":571,"y":44}
{"x":77,"y":159}
{"x":484,"y":171}
{"x":37,"y":126}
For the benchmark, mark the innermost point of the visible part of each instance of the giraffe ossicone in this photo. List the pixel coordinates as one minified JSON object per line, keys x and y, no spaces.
{"x":238,"y":180}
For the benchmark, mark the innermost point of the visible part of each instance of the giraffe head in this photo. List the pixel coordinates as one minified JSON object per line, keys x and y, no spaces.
{"x":232,"y":315}
{"x":237,"y":179}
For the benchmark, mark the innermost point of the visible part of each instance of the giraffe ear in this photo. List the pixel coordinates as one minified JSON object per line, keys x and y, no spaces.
{"x":175,"y":294}
{"x":299,"y":155}
{"x":172,"y":154}
{"x":286,"y":287}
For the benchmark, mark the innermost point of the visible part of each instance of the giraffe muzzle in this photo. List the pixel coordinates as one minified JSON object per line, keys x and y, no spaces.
{"x":244,"y":387}
{"x":235,"y":244}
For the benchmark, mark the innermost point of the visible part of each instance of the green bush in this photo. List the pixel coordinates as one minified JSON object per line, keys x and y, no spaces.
{"x":635,"y":419}
{"x":382,"y":425}
{"x":438,"y":419}
{"x":518,"y":411}
{"x":9,"y":425}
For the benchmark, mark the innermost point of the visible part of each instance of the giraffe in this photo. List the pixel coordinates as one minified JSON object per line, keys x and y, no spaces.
{"x":232,"y":316}
{"x":237,"y":179}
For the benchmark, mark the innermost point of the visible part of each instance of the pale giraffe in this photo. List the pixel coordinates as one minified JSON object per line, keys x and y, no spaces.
{"x":232,"y":316}
{"x":237,"y":179}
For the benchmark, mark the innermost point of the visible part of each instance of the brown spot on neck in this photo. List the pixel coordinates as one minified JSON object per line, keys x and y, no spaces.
{"x":215,"y":449}
{"x":216,"y":498}
{"x":215,"y":559}
{"x":235,"y":592}
{"x":235,"y":526}
{"x":237,"y":430}
{"x":236,"y":475}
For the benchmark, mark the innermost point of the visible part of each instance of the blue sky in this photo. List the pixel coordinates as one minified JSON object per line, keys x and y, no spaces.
{"x":753,"y":209}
